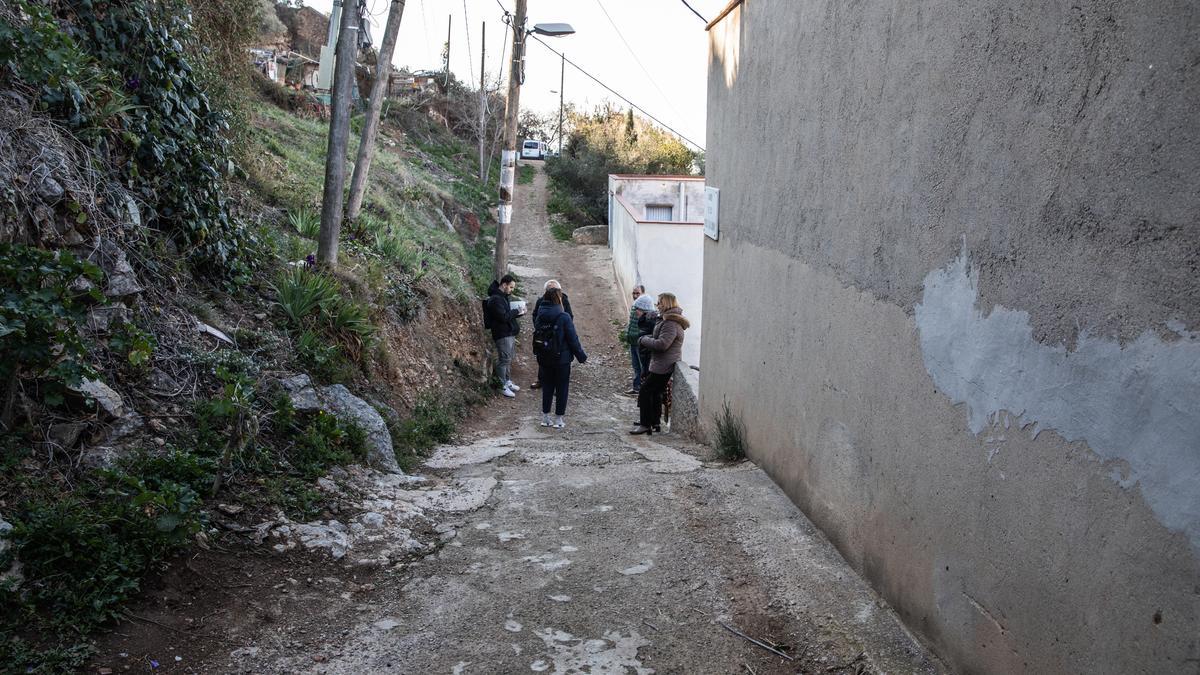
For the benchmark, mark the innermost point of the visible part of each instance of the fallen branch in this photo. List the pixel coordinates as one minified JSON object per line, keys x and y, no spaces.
{"x":757,"y":642}
{"x":649,"y":624}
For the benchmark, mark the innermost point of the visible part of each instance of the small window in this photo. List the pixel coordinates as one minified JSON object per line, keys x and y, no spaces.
{"x":659,"y":212}
{"x":531,"y":145}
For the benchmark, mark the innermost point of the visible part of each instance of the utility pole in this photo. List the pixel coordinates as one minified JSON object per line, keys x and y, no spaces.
{"x":483,"y":169}
{"x":339,"y":133}
{"x":562,"y":79}
{"x":508,"y":158}
{"x":383,"y":74}
{"x":449,"y":22}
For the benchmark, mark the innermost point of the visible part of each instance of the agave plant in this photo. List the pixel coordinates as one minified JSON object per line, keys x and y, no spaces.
{"x":303,"y":292}
{"x":305,"y":222}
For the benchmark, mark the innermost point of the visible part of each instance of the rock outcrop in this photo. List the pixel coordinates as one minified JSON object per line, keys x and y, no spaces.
{"x":338,"y":401}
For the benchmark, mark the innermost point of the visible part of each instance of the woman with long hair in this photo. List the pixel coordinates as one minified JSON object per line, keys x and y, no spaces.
{"x":666,"y":348}
{"x":558,"y":344}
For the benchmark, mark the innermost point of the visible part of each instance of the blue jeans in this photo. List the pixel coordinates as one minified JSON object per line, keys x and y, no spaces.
{"x":637,"y":366}
{"x":556,"y":382}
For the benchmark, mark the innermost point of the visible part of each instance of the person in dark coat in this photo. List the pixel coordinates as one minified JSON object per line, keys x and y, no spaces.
{"x":502,"y":320}
{"x":556,"y":372}
{"x":631,"y":336}
{"x":645,"y":319}
{"x":553,"y":283}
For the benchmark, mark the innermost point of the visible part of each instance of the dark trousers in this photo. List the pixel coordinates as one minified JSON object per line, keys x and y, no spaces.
{"x":636,"y":359}
{"x":650,"y":398}
{"x":556,"y":381}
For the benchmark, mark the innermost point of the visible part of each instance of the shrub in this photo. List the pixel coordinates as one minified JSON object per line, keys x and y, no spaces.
{"x":45,"y":296}
{"x":324,"y":442}
{"x":86,"y":553}
{"x":730,"y":438}
{"x":324,"y":361}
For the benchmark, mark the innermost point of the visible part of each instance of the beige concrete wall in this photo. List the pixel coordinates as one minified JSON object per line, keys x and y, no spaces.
{"x":955,"y":305}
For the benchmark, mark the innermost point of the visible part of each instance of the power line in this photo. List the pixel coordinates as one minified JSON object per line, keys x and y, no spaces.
{"x":685,"y":4}
{"x":612,"y":91}
{"x":635,"y":58}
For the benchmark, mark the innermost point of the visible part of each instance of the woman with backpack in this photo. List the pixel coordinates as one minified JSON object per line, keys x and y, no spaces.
{"x":556,"y":344}
{"x":666,"y":348}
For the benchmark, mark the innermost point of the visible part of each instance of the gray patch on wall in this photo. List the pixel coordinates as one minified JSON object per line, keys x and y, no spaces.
{"x":1139,"y":403}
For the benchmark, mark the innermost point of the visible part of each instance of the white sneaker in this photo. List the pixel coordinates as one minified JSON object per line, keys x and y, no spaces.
{"x":508,"y":393}
{"x":512,"y":385}
{"x":546,"y":421}
{"x":559,"y":422}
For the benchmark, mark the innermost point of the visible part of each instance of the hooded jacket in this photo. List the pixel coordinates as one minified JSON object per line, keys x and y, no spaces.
{"x":537,"y":306}
{"x":503,"y":320}
{"x":552,"y":314}
{"x":666,"y":344}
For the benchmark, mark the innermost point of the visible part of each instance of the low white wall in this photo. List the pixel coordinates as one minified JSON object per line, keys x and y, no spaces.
{"x":671,"y":259}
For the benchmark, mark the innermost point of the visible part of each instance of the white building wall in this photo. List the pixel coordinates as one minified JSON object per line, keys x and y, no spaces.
{"x":671,"y":259}
{"x":663,"y":257}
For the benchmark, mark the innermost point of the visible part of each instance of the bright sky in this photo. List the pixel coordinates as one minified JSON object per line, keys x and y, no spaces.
{"x":666,"y":37}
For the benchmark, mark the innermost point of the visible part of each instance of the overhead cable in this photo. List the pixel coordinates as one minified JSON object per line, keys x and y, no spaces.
{"x":685,"y":4}
{"x":635,"y":58}
{"x":614,"y":92}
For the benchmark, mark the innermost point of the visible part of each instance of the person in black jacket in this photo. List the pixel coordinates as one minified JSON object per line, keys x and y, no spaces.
{"x":556,"y":368}
{"x":502,"y":320}
{"x":566,"y":304}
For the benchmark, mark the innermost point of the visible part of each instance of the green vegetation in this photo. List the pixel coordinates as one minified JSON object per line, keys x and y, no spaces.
{"x":140,"y":96}
{"x":525,"y":174}
{"x":730,"y":440}
{"x":433,"y":421}
{"x":306,"y":222}
{"x":603,"y":143}
{"x":149,"y":119}
{"x":45,"y":296}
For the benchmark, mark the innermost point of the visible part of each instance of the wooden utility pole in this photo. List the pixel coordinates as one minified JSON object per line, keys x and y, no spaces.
{"x":483,"y":173}
{"x":339,"y":134}
{"x":508,"y":158}
{"x":383,"y":74}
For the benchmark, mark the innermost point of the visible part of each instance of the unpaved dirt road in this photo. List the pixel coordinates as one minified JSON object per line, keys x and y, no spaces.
{"x":599,"y":552}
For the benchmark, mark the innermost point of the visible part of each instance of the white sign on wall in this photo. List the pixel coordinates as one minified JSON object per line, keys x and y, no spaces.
{"x":712,"y":201}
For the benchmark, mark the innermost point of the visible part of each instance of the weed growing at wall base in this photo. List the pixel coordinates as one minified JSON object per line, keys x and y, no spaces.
{"x":730,"y":439}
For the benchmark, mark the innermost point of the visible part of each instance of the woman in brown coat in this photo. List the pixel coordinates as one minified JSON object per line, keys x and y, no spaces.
{"x":666,"y":348}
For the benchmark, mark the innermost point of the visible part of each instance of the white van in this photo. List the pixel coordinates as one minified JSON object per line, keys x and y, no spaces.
{"x":533,"y":150}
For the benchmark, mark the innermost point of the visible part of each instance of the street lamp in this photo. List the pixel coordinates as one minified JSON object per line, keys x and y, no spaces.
{"x":553,"y":29}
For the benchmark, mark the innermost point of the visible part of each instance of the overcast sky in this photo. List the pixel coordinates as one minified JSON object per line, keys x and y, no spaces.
{"x":668,"y":39}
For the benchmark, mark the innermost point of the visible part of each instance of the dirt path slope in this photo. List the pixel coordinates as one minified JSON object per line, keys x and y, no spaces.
{"x":598,"y":552}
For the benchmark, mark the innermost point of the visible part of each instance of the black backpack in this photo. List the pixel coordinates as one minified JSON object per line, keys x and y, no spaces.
{"x":548,"y":341}
{"x":487,"y":319}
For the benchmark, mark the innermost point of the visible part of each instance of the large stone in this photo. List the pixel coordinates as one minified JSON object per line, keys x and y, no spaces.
{"x":12,"y":575}
{"x":338,"y":401}
{"x":65,"y":436}
{"x":108,"y":402}
{"x":592,"y":235}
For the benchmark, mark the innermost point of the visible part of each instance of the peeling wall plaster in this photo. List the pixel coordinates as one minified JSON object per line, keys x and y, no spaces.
{"x":1139,"y":403}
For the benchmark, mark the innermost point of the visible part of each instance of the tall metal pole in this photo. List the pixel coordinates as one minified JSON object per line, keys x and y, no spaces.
{"x":449,"y":22}
{"x":339,"y":133}
{"x":508,"y":158}
{"x":483,"y":169}
{"x":383,"y":74}
{"x":562,"y":79}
